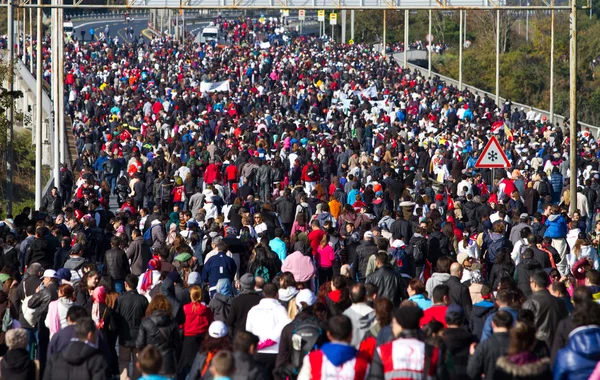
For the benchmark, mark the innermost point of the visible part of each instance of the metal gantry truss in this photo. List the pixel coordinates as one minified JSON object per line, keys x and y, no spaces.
{"x":305,"y":4}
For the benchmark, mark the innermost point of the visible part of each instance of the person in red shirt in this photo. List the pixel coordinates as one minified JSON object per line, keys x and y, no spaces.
{"x":211,"y":174}
{"x":310,"y":176}
{"x":438,"y":310}
{"x":198,"y":318}
{"x":231,"y":174}
{"x":315,"y":236}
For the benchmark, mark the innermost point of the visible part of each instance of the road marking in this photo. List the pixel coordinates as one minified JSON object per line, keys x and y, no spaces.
{"x":109,"y":22}
{"x":146,"y":33}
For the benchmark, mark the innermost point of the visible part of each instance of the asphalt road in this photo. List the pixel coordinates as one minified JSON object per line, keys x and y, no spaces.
{"x":117,"y":27}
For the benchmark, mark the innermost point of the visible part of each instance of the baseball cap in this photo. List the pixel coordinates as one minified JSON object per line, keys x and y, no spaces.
{"x":368,"y":235}
{"x":455,"y":309}
{"x":49,"y":273}
{"x":524,"y":216}
{"x":462,"y":257}
{"x":217,"y":329}
{"x":76,"y":248}
{"x":306,"y":296}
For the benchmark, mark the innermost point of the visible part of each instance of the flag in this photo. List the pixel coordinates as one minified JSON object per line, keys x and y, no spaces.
{"x":508,"y":133}
{"x":496,"y":126}
{"x":450,"y":203}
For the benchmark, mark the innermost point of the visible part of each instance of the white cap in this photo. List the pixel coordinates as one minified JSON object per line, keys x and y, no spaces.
{"x":306,"y":296}
{"x":368,"y":235}
{"x":49,"y":273}
{"x":217,"y":329}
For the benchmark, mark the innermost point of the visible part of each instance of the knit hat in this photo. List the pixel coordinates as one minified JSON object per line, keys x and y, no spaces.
{"x":247,"y":281}
{"x":64,"y":274}
{"x":231,"y":231}
{"x":17,"y":339}
{"x":175,"y":277}
{"x":194,"y":279}
{"x":408,"y":317}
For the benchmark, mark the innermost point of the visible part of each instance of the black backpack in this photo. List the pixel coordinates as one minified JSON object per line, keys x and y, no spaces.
{"x":306,"y":337}
{"x":311,"y":171}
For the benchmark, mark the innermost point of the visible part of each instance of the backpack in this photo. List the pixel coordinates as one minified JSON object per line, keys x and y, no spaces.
{"x":306,"y":336}
{"x":148,"y":234}
{"x":263,"y":272}
{"x":399,"y":255}
{"x":29,"y":314}
{"x":311,"y":171}
{"x":543,"y":188}
{"x":416,"y":251}
{"x":493,"y":247}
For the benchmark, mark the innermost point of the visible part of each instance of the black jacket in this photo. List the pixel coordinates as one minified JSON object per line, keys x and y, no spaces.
{"x":523,"y":273}
{"x":248,"y":368}
{"x":16,"y":365}
{"x":388,"y":284}
{"x":116,"y":263}
{"x":240,"y":306}
{"x":486,"y":354}
{"x":481,"y":311}
{"x":40,"y":251}
{"x":548,"y":311}
{"x":459,"y":294}
{"x":401,"y":229}
{"x":499,"y":271}
{"x":363,"y":252}
{"x":78,"y":361}
{"x":52,"y":205}
{"x":457,"y":342}
{"x":286,"y":210}
{"x":161,"y":331}
{"x":439,"y":245}
{"x":561,"y":337}
{"x":130,"y":308}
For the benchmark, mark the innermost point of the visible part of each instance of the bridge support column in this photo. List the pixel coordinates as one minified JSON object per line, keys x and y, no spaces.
{"x":41,"y":129}
{"x":497,"y":57}
{"x":10,"y":110}
{"x":384,"y":42}
{"x":352,"y":24}
{"x":573,"y":108}
{"x":460,"y":50}
{"x":406,"y":22}
{"x":551,"y":119}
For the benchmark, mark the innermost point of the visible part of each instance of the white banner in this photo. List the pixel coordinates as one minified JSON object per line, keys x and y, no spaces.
{"x":370,"y":92}
{"x":214,"y":86}
{"x":265,"y":45}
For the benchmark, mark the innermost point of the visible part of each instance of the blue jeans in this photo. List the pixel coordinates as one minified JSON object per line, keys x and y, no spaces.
{"x":119,"y":286}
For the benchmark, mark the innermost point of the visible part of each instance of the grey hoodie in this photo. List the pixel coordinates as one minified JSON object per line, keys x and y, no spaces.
{"x":362,"y":317}
{"x":435,"y":280}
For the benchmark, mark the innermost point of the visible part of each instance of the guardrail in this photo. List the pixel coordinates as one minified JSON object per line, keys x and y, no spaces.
{"x":557,"y":118}
{"x":30,"y":81}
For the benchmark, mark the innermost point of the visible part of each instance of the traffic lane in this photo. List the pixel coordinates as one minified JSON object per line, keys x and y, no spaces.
{"x":116,"y":27}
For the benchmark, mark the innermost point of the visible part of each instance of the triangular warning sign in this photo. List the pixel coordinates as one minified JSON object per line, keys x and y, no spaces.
{"x":493,"y":156}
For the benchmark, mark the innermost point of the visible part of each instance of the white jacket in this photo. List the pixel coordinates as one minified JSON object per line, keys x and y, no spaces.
{"x":266,"y":320}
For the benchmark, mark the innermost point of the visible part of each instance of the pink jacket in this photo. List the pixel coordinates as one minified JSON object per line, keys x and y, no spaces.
{"x":300,"y":266}
{"x":325,"y":256}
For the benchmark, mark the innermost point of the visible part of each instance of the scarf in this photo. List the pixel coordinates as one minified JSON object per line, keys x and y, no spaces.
{"x":99,"y":297}
{"x":153,"y":264}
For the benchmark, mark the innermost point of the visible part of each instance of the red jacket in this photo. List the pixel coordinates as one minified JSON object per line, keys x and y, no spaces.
{"x":196,"y":322}
{"x":211,"y":174}
{"x":305,"y":177}
{"x":435,"y":312}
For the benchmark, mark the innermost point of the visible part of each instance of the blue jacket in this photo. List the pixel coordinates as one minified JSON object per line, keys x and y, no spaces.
{"x":421,"y":301}
{"x":351,"y":198}
{"x":218,"y":267}
{"x":556,"y":180}
{"x":487,"y":327}
{"x":556,"y":227}
{"x":581,"y":355}
{"x":278,"y":246}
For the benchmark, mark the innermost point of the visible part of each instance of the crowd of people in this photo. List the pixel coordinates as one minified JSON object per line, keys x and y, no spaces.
{"x":318,"y":216}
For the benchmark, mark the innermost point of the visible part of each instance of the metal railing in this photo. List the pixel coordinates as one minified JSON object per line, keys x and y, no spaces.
{"x":557,"y":118}
{"x":30,"y":81}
